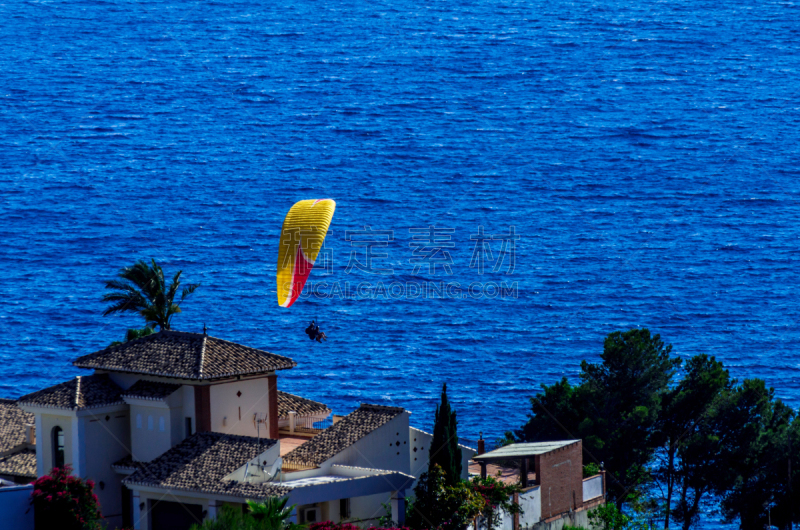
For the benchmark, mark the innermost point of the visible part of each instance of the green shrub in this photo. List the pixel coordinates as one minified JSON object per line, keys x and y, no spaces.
{"x":591,"y":469}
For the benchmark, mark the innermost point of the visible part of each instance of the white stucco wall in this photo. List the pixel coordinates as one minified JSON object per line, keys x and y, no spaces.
{"x":14,"y":507}
{"x":531,"y":503}
{"x":148,"y":443}
{"x":44,"y":439}
{"x":384,"y":448}
{"x":226,"y":406}
{"x":592,"y":487}
{"x":368,"y":509}
{"x":106,"y":441}
{"x":421,"y":441}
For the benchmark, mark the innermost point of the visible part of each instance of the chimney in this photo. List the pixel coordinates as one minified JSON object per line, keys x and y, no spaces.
{"x":30,"y":433}
{"x":481,"y":444}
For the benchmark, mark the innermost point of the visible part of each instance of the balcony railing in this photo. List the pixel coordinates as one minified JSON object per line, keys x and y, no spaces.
{"x":310,"y":424}
{"x":306,"y":425}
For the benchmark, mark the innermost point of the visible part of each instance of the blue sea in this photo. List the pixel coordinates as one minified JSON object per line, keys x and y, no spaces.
{"x":645,"y":154}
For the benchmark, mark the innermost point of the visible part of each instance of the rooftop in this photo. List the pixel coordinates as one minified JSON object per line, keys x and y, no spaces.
{"x":153,"y":390}
{"x":343,"y":434}
{"x":524,"y":450}
{"x":83,"y":392}
{"x":12,"y":425}
{"x":128,"y":464}
{"x":22,"y":464}
{"x":303,"y":407}
{"x":200,"y":464}
{"x":183,"y":355}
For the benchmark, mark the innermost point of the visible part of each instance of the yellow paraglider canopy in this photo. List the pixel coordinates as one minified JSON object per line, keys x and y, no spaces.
{"x":303,"y":232}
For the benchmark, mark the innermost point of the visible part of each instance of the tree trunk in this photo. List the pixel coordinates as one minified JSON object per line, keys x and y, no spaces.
{"x":670,"y":482}
{"x":687,"y":523}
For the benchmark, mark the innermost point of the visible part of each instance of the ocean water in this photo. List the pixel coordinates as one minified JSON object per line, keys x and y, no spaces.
{"x":645,"y":153}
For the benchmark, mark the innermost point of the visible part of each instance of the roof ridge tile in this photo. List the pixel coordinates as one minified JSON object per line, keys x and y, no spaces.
{"x":184,"y":355}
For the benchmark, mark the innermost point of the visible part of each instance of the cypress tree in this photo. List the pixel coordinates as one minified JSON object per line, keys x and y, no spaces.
{"x":444,"y":448}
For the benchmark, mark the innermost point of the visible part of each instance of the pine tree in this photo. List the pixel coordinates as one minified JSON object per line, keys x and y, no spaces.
{"x":444,"y":448}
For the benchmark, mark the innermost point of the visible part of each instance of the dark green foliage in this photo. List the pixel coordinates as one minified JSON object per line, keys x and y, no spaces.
{"x":687,"y":432}
{"x":705,"y":437}
{"x":272,"y":514}
{"x":555,"y":414}
{"x":761,"y":482}
{"x":133,"y":334}
{"x":441,"y":506}
{"x":444,"y":451}
{"x":610,"y":517}
{"x":621,"y":399}
{"x":591,"y":469}
{"x":614,"y":409}
{"x":142,"y":289}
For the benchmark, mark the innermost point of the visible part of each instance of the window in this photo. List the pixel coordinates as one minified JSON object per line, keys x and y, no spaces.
{"x":58,"y":447}
{"x":149,"y":423}
{"x":344,"y":508}
{"x":188,"y":427}
{"x":161,"y":424}
{"x":138,"y":421}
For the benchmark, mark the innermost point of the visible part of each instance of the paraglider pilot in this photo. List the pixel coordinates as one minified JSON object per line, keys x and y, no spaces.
{"x":314,"y":332}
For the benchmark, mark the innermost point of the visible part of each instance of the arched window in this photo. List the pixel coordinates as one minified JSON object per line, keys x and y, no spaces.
{"x":138,"y":421}
{"x":58,"y":447}
{"x":161,"y":424}
{"x":149,"y":423}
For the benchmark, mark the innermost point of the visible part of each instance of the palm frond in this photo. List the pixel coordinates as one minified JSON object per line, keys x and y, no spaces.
{"x":173,"y":288}
{"x":141,"y":288}
{"x":189,"y":290}
{"x":123,"y":304}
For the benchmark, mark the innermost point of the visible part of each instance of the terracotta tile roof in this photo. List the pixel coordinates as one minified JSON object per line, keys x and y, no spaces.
{"x":83,"y":392}
{"x":343,"y":434}
{"x":154,"y":390}
{"x":201,"y":462}
{"x":22,"y":464}
{"x":302,"y":406}
{"x":128,"y":464}
{"x":184,"y":356}
{"x":12,"y":425}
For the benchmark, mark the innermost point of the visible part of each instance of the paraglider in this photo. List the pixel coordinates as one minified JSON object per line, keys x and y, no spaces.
{"x":314,"y":332}
{"x":302,"y":234}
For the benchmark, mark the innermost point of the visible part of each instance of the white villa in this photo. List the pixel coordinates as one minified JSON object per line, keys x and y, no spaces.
{"x":174,"y":425}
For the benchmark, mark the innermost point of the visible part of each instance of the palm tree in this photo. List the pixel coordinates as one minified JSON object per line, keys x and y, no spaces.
{"x":273,"y":514}
{"x":142,"y":289}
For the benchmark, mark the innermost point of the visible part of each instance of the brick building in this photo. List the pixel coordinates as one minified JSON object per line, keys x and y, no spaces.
{"x":551,"y":475}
